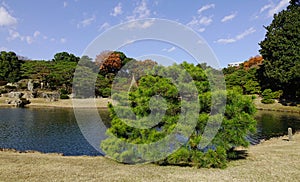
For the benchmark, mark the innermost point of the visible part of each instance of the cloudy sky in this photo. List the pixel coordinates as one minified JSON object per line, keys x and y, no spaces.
{"x":39,"y":29}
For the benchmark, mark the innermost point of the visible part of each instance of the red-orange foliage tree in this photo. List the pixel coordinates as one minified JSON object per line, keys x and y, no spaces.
{"x":253,"y":61}
{"x":110,"y":62}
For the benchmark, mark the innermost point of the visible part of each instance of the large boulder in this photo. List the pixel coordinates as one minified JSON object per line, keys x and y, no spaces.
{"x":50,"y":97}
{"x":15,"y":95}
{"x":30,"y":95}
{"x":30,"y":85}
{"x":18,"y":102}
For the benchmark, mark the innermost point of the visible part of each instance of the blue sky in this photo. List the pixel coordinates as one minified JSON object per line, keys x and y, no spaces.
{"x":39,"y":29}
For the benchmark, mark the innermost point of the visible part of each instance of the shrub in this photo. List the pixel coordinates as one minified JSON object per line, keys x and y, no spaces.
{"x":10,"y":87}
{"x":267,"y":101}
{"x":64,"y":96}
{"x":63,"y":91}
{"x":269,"y":96}
{"x":235,"y":126}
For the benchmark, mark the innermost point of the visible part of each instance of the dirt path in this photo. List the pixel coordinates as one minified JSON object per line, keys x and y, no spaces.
{"x":274,"y":160}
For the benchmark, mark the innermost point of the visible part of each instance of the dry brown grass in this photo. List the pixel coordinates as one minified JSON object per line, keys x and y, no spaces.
{"x":67,"y":103}
{"x":273,"y":160}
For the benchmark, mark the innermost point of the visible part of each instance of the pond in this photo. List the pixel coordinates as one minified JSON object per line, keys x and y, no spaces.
{"x":274,"y":124}
{"x":55,"y":130}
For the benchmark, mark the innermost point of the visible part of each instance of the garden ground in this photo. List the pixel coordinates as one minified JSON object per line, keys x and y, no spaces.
{"x":276,"y":159}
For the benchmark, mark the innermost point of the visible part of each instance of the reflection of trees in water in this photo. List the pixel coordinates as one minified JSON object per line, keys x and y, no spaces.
{"x":273,"y":124}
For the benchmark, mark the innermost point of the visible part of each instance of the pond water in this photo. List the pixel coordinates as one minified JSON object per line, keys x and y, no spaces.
{"x":55,"y":130}
{"x":274,"y":124}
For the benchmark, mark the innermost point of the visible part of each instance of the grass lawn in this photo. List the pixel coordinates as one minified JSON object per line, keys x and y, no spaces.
{"x":274,"y":160}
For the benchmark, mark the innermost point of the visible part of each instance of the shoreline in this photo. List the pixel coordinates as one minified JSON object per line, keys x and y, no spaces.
{"x":100,"y":103}
{"x":275,"y":159}
{"x":275,"y":107}
{"x":12,"y":150}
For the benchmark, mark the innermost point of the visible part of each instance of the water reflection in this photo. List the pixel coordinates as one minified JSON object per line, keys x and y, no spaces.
{"x":56,"y":130}
{"x":45,"y":130}
{"x":274,"y":124}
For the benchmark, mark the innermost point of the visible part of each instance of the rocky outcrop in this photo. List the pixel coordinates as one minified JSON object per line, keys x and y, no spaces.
{"x":18,"y":102}
{"x":50,"y":97}
{"x":30,"y":95}
{"x":15,"y":95}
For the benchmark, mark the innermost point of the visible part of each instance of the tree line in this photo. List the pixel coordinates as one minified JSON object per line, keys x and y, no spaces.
{"x":278,"y":73}
{"x":276,"y":76}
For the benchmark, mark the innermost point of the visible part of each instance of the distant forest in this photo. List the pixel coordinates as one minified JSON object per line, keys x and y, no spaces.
{"x":274,"y":74}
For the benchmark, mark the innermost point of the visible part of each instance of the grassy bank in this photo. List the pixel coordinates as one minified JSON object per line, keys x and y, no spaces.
{"x":66,"y":103}
{"x":274,"y":160}
{"x":275,"y":107}
{"x":102,"y":103}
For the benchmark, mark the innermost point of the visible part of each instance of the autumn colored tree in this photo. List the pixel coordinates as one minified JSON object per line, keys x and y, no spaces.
{"x":253,"y":62}
{"x":110,"y":62}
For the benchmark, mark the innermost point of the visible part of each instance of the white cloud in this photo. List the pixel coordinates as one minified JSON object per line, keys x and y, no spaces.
{"x":104,"y":26}
{"x":245,"y":33}
{"x":140,"y":11}
{"x":237,"y":37}
{"x":36,"y":34}
{"x":201,"y":42}
{"x":29,"y":39}
{"x":228,"y":17}
{"x":6,"y":19}
{"x":140,"y":24}
{"x":193,"y":22}
{"x":170,"y":49}
{"x":205,"y":7}
{"x":3,"y":48}
{"x":86,"y":22}
{"x":205,"y":20}
{"x":201,"y":29}
{"x":65,"y":4}
{"x":226,"y":41}
{"x":275,"y":9}
{"x":63,"y":40}
{"x":117,"y":10}
{"x":265,"y":7}
{"x":198,"y":23}
{"x":15,"y":35}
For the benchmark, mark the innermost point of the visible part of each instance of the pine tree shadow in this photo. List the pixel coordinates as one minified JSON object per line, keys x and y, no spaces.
{"x":237,"y":154}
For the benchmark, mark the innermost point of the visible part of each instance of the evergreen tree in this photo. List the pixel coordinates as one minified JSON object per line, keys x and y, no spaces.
{"x":9,"y":67}
{"x":149,"y":121}
{"x":281,"y":52}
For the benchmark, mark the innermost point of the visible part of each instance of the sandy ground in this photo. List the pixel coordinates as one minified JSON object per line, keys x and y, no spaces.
{"x":273,"y":160}
{"x":67,"y":103}
{"x":102,"y":103}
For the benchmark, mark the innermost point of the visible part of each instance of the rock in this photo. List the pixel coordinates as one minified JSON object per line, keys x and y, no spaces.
{"x":50,"y":97}
{"x":30,"y":95}
{"x":16,"y":95}
{"x":30,"y":85}
{"x":8,"y":101}
{"x":20,"y":102}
